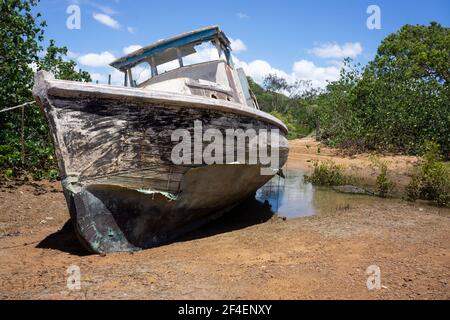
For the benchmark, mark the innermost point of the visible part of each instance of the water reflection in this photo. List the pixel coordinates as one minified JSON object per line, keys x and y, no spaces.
{"x":291,"y":197}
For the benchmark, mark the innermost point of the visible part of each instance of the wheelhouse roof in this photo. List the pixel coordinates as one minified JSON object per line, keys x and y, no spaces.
{"x":191,"y":38}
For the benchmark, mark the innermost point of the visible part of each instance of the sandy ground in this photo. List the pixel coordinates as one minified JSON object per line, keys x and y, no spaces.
{"x":245,"y":255}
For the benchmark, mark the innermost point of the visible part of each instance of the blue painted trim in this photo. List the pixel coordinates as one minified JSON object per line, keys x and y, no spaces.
{"x":206,"y":35}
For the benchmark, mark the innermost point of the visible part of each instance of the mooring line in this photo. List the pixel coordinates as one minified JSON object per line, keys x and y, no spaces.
{"x":17,"y":107}
{"x":20,"y":245}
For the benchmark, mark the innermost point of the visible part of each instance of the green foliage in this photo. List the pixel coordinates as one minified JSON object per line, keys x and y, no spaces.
{"x":54,"y":61}
{"x":298,"y":117}
{"x":269,"y":98}
{"x":431,"y":179}
{"x":327,"y":173}
{"x":296,"y":130}
{"x":383,"y":183}
{"x":38,"y":146}
{"x":51,"y":174}
{"x":338,"y":123}
{"x":399,"y":101}
{"x":22,"y":34}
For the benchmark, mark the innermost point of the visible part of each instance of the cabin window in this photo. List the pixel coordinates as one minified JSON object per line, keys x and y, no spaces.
{"x":168,"y":66}
{"x":203,"y":53}
{"x":140,"y":73}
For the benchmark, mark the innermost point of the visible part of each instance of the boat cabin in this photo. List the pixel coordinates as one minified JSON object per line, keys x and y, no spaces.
{"x":193,"y":63}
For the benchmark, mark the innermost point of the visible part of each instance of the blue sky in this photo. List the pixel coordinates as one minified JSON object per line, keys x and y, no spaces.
{"x":296,"y":39}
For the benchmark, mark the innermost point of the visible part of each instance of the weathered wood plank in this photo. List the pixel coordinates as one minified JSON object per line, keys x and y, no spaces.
{"x":104,"y":137}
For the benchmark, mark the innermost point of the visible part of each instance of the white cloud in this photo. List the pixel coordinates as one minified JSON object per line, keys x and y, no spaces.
{"x":307,"y":70}
{"x":101,"y":78}
{"x":104,"y":8}
{"x":259,"y":69}
{"x":237,"y":45}
{"x":164,"y":68}
{"x":106,"y":20}
{"x":131,"y":48}
{"x":117,"y":77}
{"x":205,"y":52}
{"x":334,"y":50}
{"x":336,"y":63}
{"x":301,"y":70}
{"x":242,"y":15}
{"x":107,"y":10}
{"x":72,"y":55}
{"x":131,"y":30}
{"x":97,"y":59}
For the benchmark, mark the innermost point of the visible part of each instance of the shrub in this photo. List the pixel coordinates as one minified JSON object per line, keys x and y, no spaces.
{"x":328,"y":174}
{"x":431,"y":179}
{"x":384,"y":184}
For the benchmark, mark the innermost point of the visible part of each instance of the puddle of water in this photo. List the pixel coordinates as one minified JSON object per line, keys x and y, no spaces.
{"x":291,"y":197}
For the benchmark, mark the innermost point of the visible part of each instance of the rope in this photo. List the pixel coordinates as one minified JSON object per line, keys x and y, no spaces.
{"x":22,"y":126}
{"x":17,"y":107}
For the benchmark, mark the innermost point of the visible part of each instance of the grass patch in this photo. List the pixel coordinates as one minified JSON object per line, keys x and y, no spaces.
{"x":328,"y":173}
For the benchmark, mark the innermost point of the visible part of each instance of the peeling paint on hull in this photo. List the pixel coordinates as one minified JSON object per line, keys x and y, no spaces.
{"x":115,"y":218}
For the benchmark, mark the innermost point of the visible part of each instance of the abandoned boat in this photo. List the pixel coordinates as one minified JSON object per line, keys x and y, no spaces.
{"x":131,"y":177}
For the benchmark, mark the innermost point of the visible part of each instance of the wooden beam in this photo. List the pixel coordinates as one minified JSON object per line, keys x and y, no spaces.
{"x":180,"y":58}
{"x":153,"y":66}
{"x":130,"y":75}
{"x":158,"y":48}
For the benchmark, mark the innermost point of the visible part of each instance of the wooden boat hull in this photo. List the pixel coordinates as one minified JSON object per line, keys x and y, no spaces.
{"x":114,"y":151}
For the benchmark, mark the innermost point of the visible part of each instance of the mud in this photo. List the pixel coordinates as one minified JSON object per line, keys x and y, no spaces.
{"x":248,"y":254}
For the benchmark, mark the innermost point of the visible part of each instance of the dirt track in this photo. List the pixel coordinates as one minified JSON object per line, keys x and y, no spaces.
{"x":323,"y":256}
